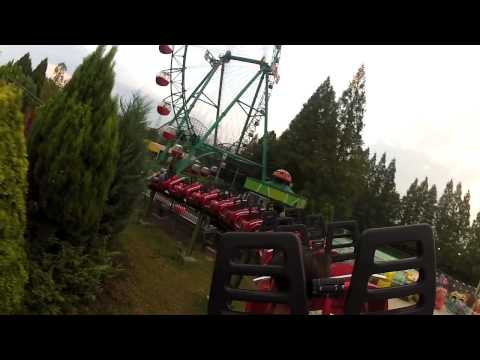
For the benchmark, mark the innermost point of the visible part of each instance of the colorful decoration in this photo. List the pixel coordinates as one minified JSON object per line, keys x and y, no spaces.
{"x":440,"y":297}
{"x":384,"y":283}
{"x":282,"y":176}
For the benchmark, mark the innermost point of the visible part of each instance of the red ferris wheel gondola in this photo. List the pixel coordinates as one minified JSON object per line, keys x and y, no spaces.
{"x":162,"y":79}
{"x":165,"y":49}
{"x":177,"y":151}
{"x":164,"y":109}
{"x":169,"y":133}
{"x":196,"y":168}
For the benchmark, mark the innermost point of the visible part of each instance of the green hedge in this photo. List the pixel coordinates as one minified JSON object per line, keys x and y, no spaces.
{"x":13,"y":188}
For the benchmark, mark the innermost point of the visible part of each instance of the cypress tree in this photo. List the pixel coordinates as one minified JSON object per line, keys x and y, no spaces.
{"x":351,"y":161}
{"x":14,"y":74}
{"x":473,"y":251}
{"x":430,"y":206}
{"x":39,"y":75}
{"x":363,"y":210}
{"x":452,"y":227}
{"x":128,"y":181}
{"x":73,"y":149}
{"x":381,"y":202}
{"x":409,"y":209}
{"x":351,"y":111}
{"x":464,"y":216}
{"x":25,"y":63}
{"x":13,"y":187}
{"x":445,"y":225}
{"x":419,"y":203}
{"x":313,"y":135}
{"x":389,"y":198}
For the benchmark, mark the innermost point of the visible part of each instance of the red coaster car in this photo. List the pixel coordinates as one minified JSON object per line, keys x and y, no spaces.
{"x":201,"y":198}
{"x":179,"y":189}
{"x":226,"y":213}
{"x":193,"y":198}
{"x":167,"y":185}
{"x":206,"y":198}
{"x":155,"y":185}
{"x":217,"y":206}
{"x":251,"y":225}
{"x":303,"y":291}
{"x":325,"y":305}
{"x":196,"y":186}
{"x":240,"y":218}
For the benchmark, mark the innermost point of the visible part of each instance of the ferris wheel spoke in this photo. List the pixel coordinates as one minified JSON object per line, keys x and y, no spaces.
{"x":177,"y":88}
{"x":181,"y":48}
{"x":176,"y":70}
{"x":249,"y":106}
{"x":179,"y":63}
{"x":207,"y":102}
{"x":175,"y":77}
{"x":241,"y":105}
{"x":213,"y":102}
{"x":178,"y":93}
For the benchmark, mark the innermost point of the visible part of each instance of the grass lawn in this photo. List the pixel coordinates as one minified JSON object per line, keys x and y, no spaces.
{"x":154,"y":281}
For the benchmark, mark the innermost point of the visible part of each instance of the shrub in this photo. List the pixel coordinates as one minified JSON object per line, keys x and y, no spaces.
{"x":13,"y":188}
{"x":65,"y":277}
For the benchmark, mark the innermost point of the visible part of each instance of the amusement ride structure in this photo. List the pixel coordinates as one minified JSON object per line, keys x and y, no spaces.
{"x":218,"y":98}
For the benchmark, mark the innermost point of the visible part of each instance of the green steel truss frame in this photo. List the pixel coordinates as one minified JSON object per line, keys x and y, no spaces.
{"x":255,"y":111}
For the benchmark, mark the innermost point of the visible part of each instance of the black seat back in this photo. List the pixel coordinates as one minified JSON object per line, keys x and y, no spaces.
{"x":358,"y":292}
{"x":298,"y":215}
{"x":269,"y":221}
{"x":302,"y":229}
{"x":316,"y":227}
{"x":342,"y":229}
{"x":285,"y":220}
{"x":221,"y":295}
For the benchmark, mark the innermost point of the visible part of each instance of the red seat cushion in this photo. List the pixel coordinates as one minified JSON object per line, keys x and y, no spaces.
{"x":342,"y":268}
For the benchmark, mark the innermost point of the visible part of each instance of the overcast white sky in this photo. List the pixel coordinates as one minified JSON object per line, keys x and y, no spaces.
{"x":422,"y":101}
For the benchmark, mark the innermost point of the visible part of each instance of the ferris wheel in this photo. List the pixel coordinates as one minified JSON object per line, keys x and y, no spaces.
{"x":215,"y":98}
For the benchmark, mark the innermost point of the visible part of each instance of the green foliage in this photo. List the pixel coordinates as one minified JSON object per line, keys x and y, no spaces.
{"x":39,"y":75}
{"x":379,"y":202}
{"x":253,"y":151}
{"x":73,"y":149}
{"x":129,"y":177}
{"x":419,"y":204}
{"x":14,"y":73}
{"x":153,"y":135}
{"x":49,"y":90}
{"x":452,"y":228}
{"x":389,"y":204}
{"x":313,"y":134}
{"x":13,"y":188}
{"x":51,"y":87}
{"x":59,"y":77}
{"x":65,"y":277}
{"x":25,"y":63}
{"x":472,"y":251}
{"x":328,"y":165}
